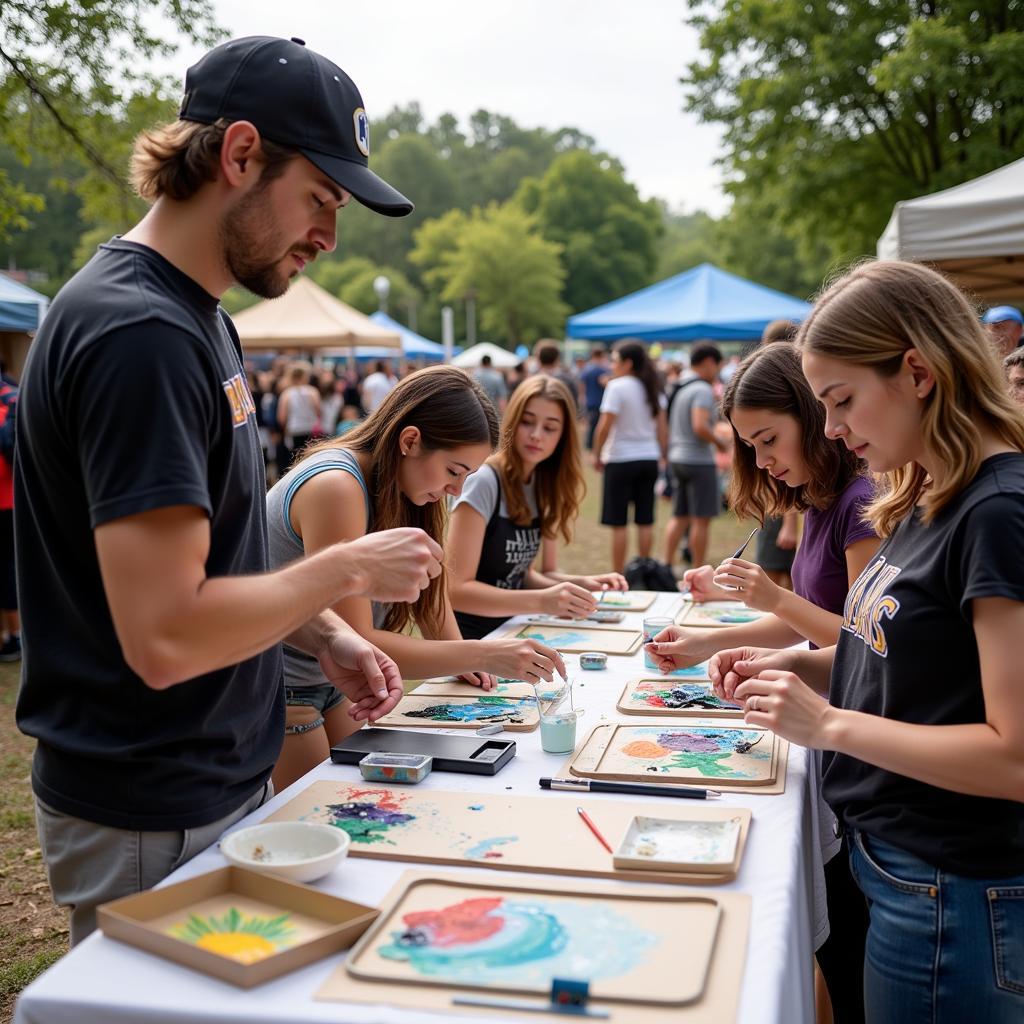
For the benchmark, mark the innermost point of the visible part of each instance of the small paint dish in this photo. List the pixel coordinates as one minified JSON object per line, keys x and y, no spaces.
{"x":382,"y":766}
{"x":667,"y":844}
{"x":300,"y":851}
{"x":593,"y":660}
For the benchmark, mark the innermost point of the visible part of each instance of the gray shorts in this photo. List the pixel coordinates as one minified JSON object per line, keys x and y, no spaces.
{"x":695,"y":490}
{"x":89,"y":864}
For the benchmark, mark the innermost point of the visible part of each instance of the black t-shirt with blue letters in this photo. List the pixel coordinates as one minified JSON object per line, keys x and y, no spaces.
{"x":907,"y":651}
{"x":134,"y":399}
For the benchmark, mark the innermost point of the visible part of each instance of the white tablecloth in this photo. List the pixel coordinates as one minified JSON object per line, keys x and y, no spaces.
{"x":103,"y":981}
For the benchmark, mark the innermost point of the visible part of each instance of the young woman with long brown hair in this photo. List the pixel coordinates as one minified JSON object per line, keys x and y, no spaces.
{"x":395,"y":469}
{"x":924,"y":727}
{"x":530,"y":490}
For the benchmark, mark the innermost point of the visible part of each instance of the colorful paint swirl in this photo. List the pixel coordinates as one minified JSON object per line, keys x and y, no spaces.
{"x":507,"y":710}
{"x":703,"y":749}
{"x":369,"y":820}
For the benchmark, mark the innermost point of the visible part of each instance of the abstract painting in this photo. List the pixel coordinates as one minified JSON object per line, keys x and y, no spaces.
{"x":497,"y":830}
{"x":517,"y":714}
{"x":626,"y":600}
{"x":581,"y":638}
{"x":665,"y":696}
{"x":717,"y":613}
{"x":680,"y":754}
{"x":514,"y":938}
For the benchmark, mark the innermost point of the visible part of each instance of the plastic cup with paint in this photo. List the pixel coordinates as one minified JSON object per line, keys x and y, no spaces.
{"x":557,"y":718}
{"x":653,"y":625}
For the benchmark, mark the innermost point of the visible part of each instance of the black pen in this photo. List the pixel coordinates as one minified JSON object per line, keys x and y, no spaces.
{"x":636,"y":788}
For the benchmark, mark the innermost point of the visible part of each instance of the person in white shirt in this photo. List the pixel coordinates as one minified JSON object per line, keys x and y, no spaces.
{"x":630,"y":439}
{"x":377,"y":385}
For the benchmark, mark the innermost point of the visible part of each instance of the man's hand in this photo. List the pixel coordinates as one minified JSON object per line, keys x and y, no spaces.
{"x":363,"y":673}
{"x":395,"y":565}
{"x":675,"y":647}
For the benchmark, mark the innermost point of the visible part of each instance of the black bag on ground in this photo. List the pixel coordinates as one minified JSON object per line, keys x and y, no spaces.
{"x":649,"y":574}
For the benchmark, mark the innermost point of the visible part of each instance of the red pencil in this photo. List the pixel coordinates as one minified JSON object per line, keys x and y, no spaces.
{"x":593,"y":828}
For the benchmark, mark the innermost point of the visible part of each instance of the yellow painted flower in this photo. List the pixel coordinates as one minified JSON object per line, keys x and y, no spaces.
{"x":236,"y":935}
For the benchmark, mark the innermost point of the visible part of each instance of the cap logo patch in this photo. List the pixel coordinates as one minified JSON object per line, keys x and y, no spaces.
{"x":361,"y":123}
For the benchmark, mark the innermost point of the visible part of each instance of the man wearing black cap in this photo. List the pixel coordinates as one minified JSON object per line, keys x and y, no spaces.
{"x":152,"y":672}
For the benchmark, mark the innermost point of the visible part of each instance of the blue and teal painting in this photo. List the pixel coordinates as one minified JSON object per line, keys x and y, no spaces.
{"x":485,"y":709}
{"x":521,"y":942}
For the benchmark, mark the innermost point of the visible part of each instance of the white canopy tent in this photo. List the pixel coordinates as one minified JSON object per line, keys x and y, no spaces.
{"x":309,"y":317}
{"x":973,"y":232}
{"x":501,"y":358}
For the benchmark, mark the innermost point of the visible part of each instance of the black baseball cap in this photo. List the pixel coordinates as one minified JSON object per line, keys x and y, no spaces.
{"x":297,"y":99}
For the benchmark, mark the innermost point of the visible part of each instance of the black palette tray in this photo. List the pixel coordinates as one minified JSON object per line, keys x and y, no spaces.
{"x":470,"y":755}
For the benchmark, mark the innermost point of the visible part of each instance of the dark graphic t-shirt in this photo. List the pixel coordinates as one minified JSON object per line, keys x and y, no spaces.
{"x":508,"y":549}
{"x":907,"y":651}
{"x":134,"y":399}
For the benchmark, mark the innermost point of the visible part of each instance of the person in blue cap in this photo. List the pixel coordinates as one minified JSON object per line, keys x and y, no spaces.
{"x":151,"y":622}
{"x":1005,"y":324}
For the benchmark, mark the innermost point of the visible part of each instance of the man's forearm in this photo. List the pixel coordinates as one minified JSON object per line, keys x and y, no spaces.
{"x":233,"y":618}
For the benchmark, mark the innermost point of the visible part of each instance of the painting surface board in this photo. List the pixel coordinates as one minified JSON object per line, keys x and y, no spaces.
{"x":515,"y":714}
{"x":460,"y":688}
{"x":582,"y":638}
{"x":683,"y":753}
{"x":626,"y":600}
{"x":669,"y":695}
{"x":713,"y":614}
{"x":517,"y":938}
{"x":496,"y":830}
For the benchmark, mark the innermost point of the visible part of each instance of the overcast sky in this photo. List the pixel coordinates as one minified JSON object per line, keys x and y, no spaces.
{"x":608,"y":67}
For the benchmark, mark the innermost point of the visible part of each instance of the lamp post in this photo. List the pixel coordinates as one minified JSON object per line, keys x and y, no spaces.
{"x":382,"y":286}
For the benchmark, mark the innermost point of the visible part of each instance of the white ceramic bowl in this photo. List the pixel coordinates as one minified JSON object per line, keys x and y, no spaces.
{"x":300,"y":851}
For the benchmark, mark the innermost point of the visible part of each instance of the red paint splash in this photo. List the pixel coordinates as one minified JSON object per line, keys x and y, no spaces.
{"x":385,"y":799}
{"x":468,"y":921}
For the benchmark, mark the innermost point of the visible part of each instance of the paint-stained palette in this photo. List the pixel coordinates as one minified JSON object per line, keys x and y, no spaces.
{"x":515,"y":714}
{"x":582,"y":638}
{"x":713,"y":614}
{"x":720,"y":755}
{"x":517,"y":938}
{"x":670,"y":696}
{"x":487,"y":830}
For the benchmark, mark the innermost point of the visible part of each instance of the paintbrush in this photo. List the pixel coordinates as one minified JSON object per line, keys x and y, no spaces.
{"x":743,"y":547}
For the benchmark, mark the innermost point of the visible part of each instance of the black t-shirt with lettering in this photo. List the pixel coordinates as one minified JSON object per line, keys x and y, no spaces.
{"x":134,"y":399}
{"x":907,"y":651}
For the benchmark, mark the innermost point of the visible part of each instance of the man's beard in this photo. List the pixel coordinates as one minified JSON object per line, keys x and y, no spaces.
{"x":248,"y":232}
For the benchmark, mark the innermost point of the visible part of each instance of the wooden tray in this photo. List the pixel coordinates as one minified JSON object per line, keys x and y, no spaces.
{"x":718,"y":1005}
{"x":517,"y":938}
{"x":716,"y":614}
{"x":418,"y":711}
{"x":607,"y":640}
{"x":680,"y":752}
{"x":627,"y":600}
{"x":241,"y":926}
{"x":495,"y":830}
{"x":669,"y":696}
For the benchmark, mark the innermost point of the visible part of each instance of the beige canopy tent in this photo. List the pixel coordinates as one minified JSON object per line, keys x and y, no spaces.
{"x":973,"y":232}
{"x":308,"y":317}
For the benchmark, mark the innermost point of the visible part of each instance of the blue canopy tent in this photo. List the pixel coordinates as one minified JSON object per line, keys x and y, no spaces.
{"x":704,"y":302}
{"x":414,"y":346}
{"x":21,"y":309}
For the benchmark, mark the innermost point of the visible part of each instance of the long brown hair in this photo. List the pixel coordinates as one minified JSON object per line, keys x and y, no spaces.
{"x":560,"y":484}
{"x":873,"y":316}
{"x":771,"y":378}
{"x":451,"y":410}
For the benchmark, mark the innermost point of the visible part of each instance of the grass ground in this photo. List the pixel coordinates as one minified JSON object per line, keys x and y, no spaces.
{"x":33,"y":932}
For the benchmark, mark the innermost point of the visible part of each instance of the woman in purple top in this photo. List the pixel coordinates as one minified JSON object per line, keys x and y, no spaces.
{"x":783,"y":461}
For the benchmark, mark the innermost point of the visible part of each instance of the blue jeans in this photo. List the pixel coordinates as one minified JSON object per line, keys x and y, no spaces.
{"x":941,"y":948}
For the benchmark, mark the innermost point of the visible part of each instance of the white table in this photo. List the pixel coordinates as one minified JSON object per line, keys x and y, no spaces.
{"x":103,"y":981}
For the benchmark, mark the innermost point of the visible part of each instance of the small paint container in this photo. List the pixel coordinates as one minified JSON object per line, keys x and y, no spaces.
{"x":381,"y":766}
{"x":593,"y":660}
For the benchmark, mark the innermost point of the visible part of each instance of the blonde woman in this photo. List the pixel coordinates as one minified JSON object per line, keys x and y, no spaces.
{"x":529,"y":491}
{"x":393,"y":470}
{"x":925,"y":723}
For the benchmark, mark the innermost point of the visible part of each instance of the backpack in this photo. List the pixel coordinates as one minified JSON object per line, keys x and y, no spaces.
{"x":8,"y":418}
{"x":649,"y":574}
